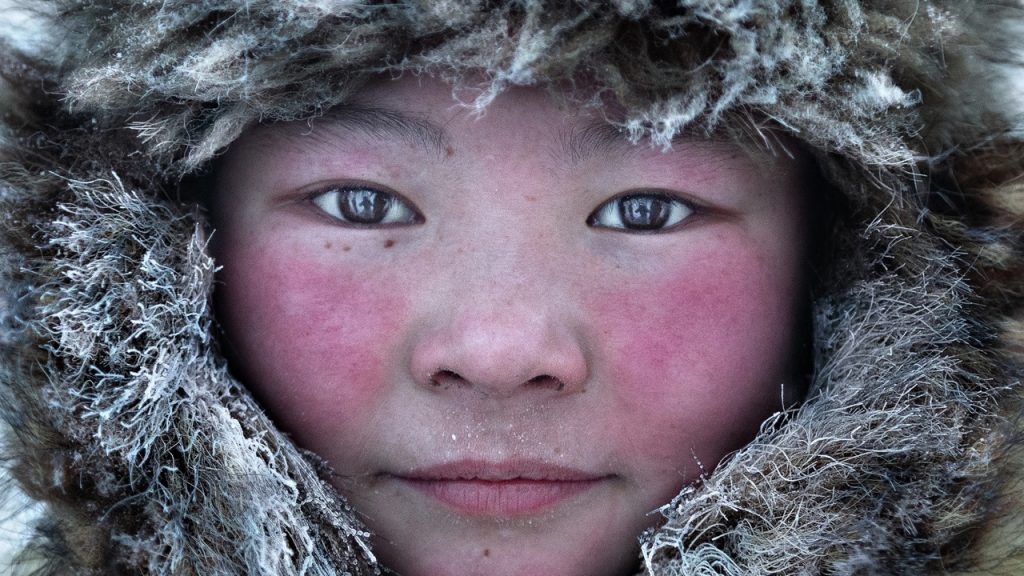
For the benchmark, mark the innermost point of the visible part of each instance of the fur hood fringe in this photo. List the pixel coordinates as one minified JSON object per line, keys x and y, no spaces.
{"x":147,"y":457}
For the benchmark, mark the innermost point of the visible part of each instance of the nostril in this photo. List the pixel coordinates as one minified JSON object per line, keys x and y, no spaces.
{"x":545,"y":381}
{"x":446,"y":379}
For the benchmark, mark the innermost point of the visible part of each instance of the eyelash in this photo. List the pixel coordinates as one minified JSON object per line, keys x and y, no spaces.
{"x":380,"y":207}
{"x":662,"y":211}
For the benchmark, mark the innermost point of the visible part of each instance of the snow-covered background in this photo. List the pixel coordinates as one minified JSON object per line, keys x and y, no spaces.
{"x":15,"y":21}
{"x":15,"y":509}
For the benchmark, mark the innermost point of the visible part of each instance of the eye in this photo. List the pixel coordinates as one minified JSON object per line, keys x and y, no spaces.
{"x":365,"y":206}
{"x":641,"y":212}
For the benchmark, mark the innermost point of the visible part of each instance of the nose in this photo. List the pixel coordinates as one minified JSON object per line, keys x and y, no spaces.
{"x":501,"y":350}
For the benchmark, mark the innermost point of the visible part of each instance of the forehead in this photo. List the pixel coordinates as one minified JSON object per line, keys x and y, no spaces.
{"x":429,"y":116}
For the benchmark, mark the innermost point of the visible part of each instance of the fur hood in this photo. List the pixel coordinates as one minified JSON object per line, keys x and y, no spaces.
{"x":146,"y":456}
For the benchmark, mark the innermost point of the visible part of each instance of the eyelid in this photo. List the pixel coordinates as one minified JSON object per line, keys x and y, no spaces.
{"x":610,"y":206}
{"x":311,"y":194}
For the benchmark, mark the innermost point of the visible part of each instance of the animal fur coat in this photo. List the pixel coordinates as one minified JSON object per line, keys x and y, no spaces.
{"x":130,"y":448}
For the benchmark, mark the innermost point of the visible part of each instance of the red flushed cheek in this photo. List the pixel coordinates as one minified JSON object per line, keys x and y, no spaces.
{"x":310,"y":334}
{"x":699,"y":349}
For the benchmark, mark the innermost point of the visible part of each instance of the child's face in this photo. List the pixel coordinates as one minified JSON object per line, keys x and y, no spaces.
{"x":512,"y":337}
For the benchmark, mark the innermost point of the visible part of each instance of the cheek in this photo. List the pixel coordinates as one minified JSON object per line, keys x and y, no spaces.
{"x":310,"y":335}
{"x":699,"y":353}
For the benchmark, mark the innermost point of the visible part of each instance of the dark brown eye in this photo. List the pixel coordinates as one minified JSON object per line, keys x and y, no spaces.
{"x":365,"y":206}
{"x":642,"y":212}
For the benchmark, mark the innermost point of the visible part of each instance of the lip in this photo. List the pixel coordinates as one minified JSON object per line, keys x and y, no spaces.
{"x":502,"y":489}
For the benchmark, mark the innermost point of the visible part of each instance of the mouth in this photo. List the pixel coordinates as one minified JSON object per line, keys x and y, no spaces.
{"x":502,"y":489}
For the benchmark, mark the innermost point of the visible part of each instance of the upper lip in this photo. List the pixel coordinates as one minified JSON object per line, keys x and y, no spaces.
{"x":506,"y":470}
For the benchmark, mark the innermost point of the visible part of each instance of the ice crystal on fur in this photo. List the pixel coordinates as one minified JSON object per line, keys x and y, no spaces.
{"x":142,"y":391}
{"x":196,"y":73}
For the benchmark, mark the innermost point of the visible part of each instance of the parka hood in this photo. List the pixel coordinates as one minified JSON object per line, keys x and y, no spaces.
{"x":149,"y":457}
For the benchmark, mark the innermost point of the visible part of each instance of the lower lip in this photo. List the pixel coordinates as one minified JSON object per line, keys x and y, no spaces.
{"x":516,"y":497}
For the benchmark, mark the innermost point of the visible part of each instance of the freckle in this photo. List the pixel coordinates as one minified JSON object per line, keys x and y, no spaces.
{"x":531,"y":198}
{"x":346,"y":247}
{"x":558,"y":449}
{"x":449,"y":151}
{"x":389,"y":243}
{"x":487,"y":552}
{"x":327,"y":245}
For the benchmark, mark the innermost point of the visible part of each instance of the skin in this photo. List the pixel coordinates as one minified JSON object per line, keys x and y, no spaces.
{"x":503,"y":324}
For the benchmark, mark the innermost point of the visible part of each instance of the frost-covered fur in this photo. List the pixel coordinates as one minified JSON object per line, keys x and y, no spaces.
{"x":149,"y":458}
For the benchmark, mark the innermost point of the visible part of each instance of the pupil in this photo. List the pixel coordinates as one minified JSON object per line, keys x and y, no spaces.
{"x":643,"y":212}
{"x":363,"y":206}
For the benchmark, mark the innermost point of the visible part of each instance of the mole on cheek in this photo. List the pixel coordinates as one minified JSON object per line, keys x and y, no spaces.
{"x":327,"y":245}
{"x":389,"y":243}
{"x":346,"y":247}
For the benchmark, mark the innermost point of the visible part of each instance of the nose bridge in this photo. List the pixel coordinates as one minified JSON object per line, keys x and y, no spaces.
{"x":509,"y":267}
{"x":504,"y":322}
{"x":510,"y":270}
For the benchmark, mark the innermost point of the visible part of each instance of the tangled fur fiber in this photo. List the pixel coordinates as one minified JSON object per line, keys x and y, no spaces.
{"x":150,"y":458}
{"x":196,"y":73}
{"x":144,"y":407}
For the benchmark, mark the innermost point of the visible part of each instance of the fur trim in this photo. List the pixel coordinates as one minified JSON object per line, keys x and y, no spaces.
{"x":196,"y":73}
{"x":150,"y":458}
{"x":145,"y":405}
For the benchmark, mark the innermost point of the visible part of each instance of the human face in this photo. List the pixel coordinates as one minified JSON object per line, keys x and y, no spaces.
{"x":513,"y":336}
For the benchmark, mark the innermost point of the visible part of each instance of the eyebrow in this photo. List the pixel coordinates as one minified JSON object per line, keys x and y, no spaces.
{"x":579,"y":143}
{"x":574,"y":145}
{"x":379,"y":124}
